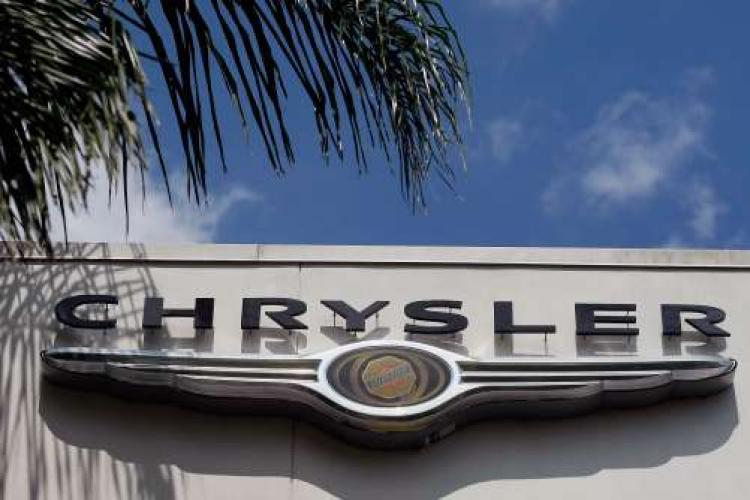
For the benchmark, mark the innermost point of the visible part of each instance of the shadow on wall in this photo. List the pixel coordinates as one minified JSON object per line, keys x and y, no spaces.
{"x":86,"y":445}
{"x":29,"y":454}
{"x":148,"y":433}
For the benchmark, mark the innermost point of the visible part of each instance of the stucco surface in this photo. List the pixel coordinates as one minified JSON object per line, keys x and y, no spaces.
{"x":62,"y":443}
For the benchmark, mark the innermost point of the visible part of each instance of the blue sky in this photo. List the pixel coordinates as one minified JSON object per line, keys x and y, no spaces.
{"x":594,"y":123}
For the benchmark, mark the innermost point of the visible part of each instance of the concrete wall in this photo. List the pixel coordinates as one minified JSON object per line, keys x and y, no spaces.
{"x":61,"y":443}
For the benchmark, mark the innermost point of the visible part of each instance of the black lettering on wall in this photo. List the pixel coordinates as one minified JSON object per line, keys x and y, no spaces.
{"x":671,"y":317}
{"x":423,"y":311}
{"x":587,"y":319}
{"x":504,"y":321}
{"x":65,"y":311}
{"x":354,"y":320}
{"x":251,"y":310}
{"x":154,"y":312}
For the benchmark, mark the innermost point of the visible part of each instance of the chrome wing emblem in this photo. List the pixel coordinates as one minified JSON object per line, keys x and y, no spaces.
{"x":389,"y":393}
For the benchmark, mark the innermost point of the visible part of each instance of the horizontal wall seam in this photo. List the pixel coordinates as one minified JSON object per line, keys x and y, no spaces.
{"x":378,"y":263}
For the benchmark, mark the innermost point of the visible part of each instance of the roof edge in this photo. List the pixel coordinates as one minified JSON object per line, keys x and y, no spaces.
{"x":404,"y":255}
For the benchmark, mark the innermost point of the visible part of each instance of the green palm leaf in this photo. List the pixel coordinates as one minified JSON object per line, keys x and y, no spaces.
{"x":385,"y":74}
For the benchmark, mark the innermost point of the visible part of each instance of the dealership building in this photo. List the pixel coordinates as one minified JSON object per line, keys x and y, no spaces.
{"x":281,"y":371}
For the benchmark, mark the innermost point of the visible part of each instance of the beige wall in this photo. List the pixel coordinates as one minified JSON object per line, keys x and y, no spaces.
{"x":60,"y":443}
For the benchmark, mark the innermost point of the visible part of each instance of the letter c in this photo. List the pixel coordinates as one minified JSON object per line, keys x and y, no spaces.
{"x":66,"y":308}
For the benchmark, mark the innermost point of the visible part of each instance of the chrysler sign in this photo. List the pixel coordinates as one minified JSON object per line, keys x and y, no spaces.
{"x":393,"y":393}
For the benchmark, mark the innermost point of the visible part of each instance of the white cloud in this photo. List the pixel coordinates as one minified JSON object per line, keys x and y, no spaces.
{"x":706,"y":209}
{"x":701,"y":226}
{"x":505,"y":136}
{"x":519,"y":25}
{"x":641,"y":148}
{"x":152,"y":220}
{"x":637,"y":143}
{"x":546,"y":9}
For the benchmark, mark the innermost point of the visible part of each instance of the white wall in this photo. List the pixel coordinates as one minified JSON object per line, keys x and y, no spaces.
{"x":62,"y":443}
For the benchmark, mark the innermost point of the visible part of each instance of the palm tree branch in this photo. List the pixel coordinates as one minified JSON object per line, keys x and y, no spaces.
{"x":385,"y":74}
{"x":401,"y":58}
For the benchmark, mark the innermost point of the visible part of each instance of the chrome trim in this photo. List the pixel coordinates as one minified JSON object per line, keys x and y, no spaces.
{"x":475,"y":389}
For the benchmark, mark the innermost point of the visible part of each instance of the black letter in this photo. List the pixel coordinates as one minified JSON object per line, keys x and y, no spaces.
{"x":420,"y":310}
{"x":586,"y":319}
{"x":670,"y":317}
{"x":65,"y":311}
{"x":285,"y":319}
{"x":153,"y":312}
{"x":504,"y":321}
{"x":355,"y":320}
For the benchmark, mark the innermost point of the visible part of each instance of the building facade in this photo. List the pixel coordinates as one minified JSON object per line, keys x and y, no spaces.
{"x":507,"y":308}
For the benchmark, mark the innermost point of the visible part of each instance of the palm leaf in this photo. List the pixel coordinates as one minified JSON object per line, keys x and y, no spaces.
{"x":379,"y":74}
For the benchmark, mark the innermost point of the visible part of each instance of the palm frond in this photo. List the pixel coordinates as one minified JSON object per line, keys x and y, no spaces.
{"x":385,"y":74}
{"x":67,"y":75}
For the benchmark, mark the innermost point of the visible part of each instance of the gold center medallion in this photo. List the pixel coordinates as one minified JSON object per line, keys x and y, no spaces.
{"x":389,"y":377}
